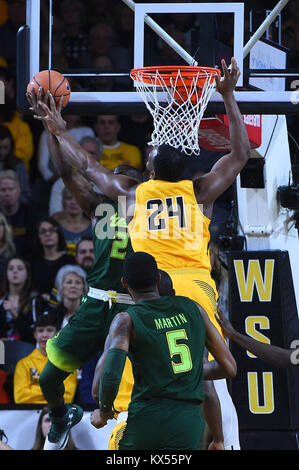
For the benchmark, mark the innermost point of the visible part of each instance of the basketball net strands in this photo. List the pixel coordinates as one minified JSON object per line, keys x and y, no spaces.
{"x":188,"y":90}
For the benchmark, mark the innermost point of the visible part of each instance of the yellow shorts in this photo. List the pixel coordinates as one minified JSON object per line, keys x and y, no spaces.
{"x":116,"y":435}
{"x":198,"y":285}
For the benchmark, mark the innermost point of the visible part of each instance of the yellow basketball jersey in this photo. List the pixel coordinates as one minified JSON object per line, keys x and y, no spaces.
{"x":169,"y":224}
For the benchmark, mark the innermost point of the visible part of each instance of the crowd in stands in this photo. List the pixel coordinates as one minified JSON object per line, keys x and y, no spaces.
{"x":46,"y":247}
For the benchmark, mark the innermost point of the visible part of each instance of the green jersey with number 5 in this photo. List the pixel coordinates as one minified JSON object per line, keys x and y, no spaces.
{"x":111,"y":245}
{"x":168,"y":355}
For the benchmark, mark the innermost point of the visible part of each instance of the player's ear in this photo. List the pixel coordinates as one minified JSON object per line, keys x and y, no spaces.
{"x":124,"y":283}
{"x":159,"y":278}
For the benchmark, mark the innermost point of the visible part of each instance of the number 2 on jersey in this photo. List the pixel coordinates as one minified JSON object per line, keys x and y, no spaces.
{"x":118,"y":250}
{"x":180,"y":349}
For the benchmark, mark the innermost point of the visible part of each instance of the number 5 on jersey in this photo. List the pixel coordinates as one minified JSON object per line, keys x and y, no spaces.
{"x":180,"y":349}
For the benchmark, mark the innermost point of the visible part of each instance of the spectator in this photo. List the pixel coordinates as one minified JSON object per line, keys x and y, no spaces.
{"x":104,"y":64}
{"x":74,"y":36}
{"x":10,"y":117}
{"x":74,"y":223}
{"x":49,"y":255}
{"x":28,"y":369}
{"x":71,"y":285}
{"x":19,"y":305}
{"x":102,"y":41}
{"x":18,"y":215}
{"x":76,"y":129}
{"x":8,"y":31}
{"x":107,"y":128}
{"x":42,"y":429}
{"x":8,"y":161}
{"x":94,"y":146}
{"x":85,"y":253}
{"x":7,"y":246}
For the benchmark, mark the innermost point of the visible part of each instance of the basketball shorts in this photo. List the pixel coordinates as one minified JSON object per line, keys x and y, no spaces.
{"x":198,"y":285}
{"x":118,"y":431}
{"x":84,"y":335}
{"x":163,"y":424}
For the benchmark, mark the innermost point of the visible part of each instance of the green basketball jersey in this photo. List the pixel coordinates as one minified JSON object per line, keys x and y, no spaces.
{"x":111,"y":245}
{"x":168,"y":356}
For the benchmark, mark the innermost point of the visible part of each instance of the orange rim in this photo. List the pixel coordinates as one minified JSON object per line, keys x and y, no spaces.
{"x":169,"y":72}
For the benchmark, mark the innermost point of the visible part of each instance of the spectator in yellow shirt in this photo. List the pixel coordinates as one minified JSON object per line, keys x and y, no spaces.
{"x":10,"y":117}
{"x":107,"y":128}
{"x":27,"y":371}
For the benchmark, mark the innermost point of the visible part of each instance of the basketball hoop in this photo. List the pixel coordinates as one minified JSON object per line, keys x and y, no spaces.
{"x":178,"y":110}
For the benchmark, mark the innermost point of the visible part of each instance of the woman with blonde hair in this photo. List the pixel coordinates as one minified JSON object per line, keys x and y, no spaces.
{"x":71,"y":285}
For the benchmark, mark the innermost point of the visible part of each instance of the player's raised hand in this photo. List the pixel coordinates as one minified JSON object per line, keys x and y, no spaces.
{"x":226,"y":326}
{"x":227,"y":83}
{"x":51,"y":116}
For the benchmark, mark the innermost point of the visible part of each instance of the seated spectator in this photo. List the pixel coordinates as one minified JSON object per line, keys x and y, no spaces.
{"x":103,"y":41}
{"x":27,"y":371}
{"x":8,"y":161}
{"x":49,"y":255}
{"x":71,"y":285}
{"x":94,"y":146}
{"x":74,"y":37}
{"x":10,"y":117}
{"x":74,"y":223}
{"x":7,"y":246}
{"x":15,"y":18}
{"x":85,"y":253}
{"x":19,"y":216}
{"x":104,"y":64}
{"x":19,"y":305}
{"x":77,"y":131}
{"x":42,"y":429}
{"x":107,"y":128}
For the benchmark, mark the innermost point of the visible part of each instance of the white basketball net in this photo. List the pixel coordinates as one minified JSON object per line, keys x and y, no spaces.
{"x":176,"y":117}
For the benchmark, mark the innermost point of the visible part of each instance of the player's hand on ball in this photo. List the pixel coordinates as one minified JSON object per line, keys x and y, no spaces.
{"x":51,"y":117}
{"x":99,"y":418}
{"x":230,"y":78}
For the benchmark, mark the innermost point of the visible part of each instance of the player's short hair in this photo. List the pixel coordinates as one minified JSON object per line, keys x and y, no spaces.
{"x":140,"y":271}
{"x":165,"y":285}
{"x":128,"y":170}
{"x":168,"y":163}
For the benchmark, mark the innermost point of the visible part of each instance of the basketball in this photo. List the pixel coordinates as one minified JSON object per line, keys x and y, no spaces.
{"x":53,"y":81}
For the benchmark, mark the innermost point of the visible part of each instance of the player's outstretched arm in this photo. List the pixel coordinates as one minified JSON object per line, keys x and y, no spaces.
{"x":211,"y":185}
{"x":274,"y":355}
{"x":224,"y":365}
{"x":111,"y":185}
{"x":111,"y":369}
{"x":86,"y":197}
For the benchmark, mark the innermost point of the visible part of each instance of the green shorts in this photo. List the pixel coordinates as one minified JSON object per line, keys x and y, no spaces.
{"x":84,"y":335}
{"x":163,"y":424}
